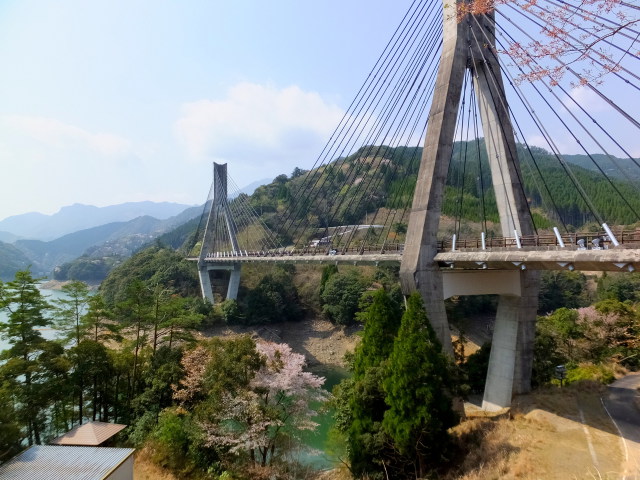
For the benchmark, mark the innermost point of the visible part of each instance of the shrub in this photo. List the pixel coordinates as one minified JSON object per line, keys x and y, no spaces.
{"x":341,"y":296}
{"x":586,"y":372}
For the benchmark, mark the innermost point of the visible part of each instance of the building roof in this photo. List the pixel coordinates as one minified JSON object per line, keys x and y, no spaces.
{"x":89,"y":434}
{"x":54,"y":462}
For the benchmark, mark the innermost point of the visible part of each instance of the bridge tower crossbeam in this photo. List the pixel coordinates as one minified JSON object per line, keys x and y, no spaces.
{"x":470,"y":45}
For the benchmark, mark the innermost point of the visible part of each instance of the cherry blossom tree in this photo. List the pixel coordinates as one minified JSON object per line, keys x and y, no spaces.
{"x":261,"y":418}
{"x":611,"y":327}
{"x":191,"y":386}
{"x":272,"y":412}
{"x":574,"y":37}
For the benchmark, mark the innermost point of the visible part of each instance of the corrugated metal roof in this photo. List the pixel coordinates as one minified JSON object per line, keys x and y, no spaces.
{"x":54,"y":462}
{"x":89,"y":434}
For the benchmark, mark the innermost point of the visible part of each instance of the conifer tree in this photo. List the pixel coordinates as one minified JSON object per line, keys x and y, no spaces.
{"x":420,"y":408}
{"x":70,"y":310}
{"x":25,"y":307}
{"x":381,"y":322}
{"x":10,"y":434}
{"x":366,"y":440}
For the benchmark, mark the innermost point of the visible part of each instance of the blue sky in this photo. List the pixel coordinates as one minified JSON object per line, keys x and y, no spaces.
{"x":103,"y":102}
{"x":108,"y":101}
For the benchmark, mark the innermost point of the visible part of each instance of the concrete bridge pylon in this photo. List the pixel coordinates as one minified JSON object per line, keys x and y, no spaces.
{"x":219,"y":277}
{"x":469,"y":44}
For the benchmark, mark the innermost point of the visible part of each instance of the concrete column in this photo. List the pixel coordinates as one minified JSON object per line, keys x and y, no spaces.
{"x":468,"y":45}
{"x":234,"y":282}
{"x":418,"y":270}
{"x":205,"y":283}
{"x":511,"y":355}
{"x":499,"y":386}
{"x":530,"y":281}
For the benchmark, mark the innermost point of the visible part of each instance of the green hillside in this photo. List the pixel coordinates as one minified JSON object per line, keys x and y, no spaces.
{"x":11,"y":260}
{"x":621,"y":168}
{"x":353,"y":189}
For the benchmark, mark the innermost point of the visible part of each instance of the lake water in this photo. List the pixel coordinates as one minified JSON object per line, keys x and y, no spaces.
{"x":50,"y":295}
{"x":321,"y":458}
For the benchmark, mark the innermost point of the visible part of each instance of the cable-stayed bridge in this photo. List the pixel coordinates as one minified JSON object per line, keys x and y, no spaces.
{"x":489,"y":200}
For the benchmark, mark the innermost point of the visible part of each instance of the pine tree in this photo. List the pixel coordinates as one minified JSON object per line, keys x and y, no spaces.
{"x":25,"y":308}
{"x":69,"y":311}
{"x":420,"y":409}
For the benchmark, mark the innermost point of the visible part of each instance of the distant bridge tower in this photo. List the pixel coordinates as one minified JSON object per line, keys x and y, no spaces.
{"x":467,"y":44}
{"x":219,"y":277}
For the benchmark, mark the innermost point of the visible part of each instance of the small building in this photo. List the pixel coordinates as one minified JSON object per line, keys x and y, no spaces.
{"x":56,"y":462}
{"x":90,"y":434}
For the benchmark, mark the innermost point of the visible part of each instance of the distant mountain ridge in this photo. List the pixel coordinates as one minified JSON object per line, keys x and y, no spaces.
{"x":73,"y":218}
{"x":613,"y":167}
{"x":11,"y":260}
{"x":112,"y":239}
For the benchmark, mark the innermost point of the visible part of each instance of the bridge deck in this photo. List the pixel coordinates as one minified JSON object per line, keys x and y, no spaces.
{"x":346,"y":258}
{"x":540,"y":258}
{"x":536,"y":253}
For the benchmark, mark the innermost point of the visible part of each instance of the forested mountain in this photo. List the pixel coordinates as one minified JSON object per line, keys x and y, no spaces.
{"x":375,"y":178}
{"x":11,"y":260}
{"x":381,"y":179}
{"x":622,"y":168}
{"x":81,"y":217}
{"x":89,"y":254}
{"x":549,"y":186}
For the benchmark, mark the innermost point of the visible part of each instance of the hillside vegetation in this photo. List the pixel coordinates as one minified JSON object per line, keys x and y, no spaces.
{"x":11,"y":261}
{"x":365,"y":187}
{"x":219,"y":407}
{"x":376,"y":180}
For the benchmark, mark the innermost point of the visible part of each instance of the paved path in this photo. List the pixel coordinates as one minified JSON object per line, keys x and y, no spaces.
{"x":623,"y":405}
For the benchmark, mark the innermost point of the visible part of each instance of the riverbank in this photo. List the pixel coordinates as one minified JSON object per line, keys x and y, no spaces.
{"x":320,"y":341}
{"x":58,"y":284}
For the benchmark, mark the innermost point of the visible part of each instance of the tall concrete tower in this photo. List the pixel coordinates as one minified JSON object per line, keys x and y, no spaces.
{"x":220,"y":228}
{"x":469,"y":44}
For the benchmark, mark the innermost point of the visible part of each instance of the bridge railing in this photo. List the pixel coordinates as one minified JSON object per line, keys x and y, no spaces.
{"x":573,"y":241}
{"x":578,"y":240}
{"x":351,"y":250}
{"x":312,"y":251}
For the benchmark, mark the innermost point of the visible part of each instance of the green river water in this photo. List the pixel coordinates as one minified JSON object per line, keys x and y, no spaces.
{"x":317,"y":441}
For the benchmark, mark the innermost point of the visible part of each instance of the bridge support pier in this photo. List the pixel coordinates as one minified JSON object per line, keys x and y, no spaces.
{"x":234,"y":282}
{"x":511,"y":355}
{"x":430,"y":284}
{"x":226,"y":281}
{"x":205,"y":284}
{"x":510,"y":369}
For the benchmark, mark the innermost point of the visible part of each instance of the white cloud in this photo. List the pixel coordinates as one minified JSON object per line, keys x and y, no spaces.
{"x":48,"y":163}
{"x":587,"y":99}
{"x":54,"y":133}
{"x":565,"y":145}
{"x":258,"y":126}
